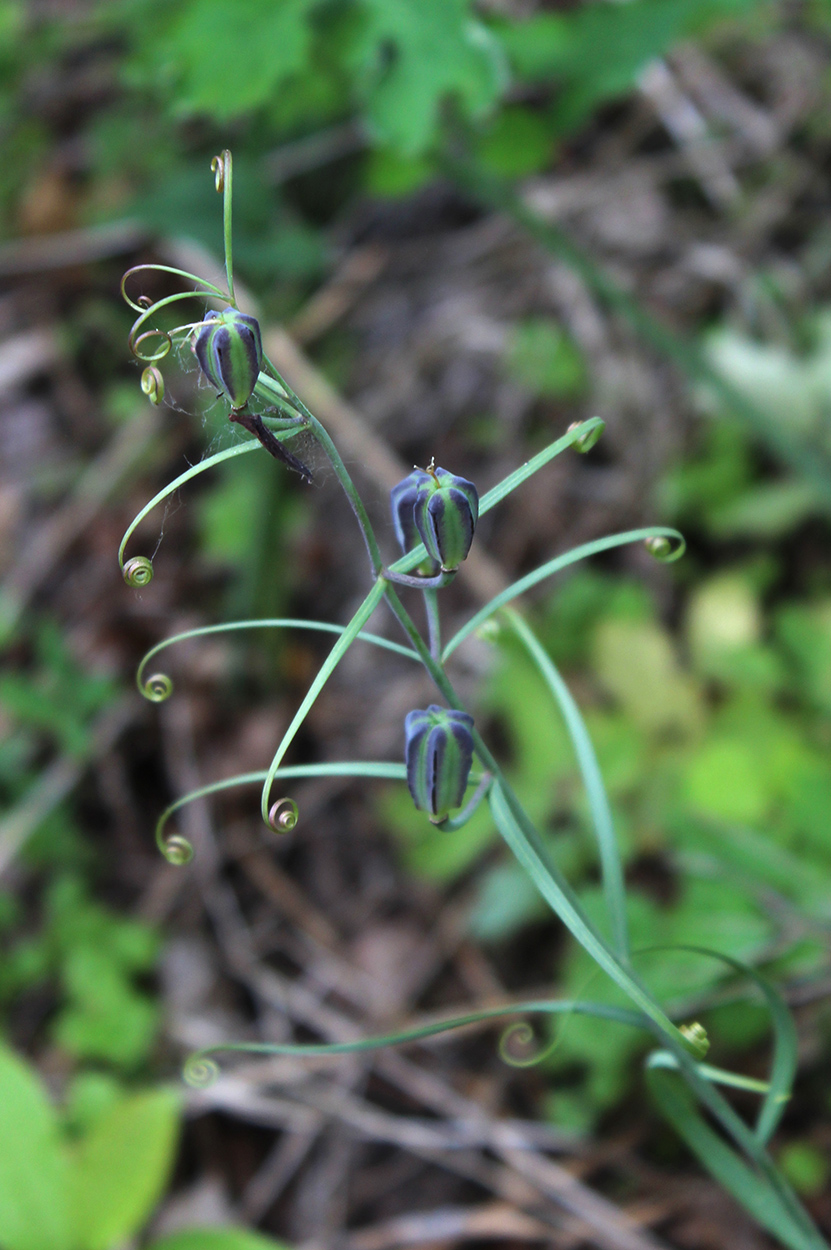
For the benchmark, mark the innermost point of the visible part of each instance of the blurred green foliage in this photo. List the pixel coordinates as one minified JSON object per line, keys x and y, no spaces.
{"x":401,"y":78}
{"x":714,"y":751}
{"x":89,"y":958}
{"x":92,"y":957}
{"x":713,"y":742}
{"x":90,"y":1186}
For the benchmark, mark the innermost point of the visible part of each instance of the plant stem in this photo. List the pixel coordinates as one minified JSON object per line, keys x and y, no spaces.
{"x":431,"y":606}
{"x":227,"y":218}
{"x":282,"y":391}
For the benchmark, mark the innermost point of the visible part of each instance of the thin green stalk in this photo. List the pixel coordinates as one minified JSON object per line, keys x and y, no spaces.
{"x":431,"y":606}
{"x":280,"y":390}
{"x":223,"y":167}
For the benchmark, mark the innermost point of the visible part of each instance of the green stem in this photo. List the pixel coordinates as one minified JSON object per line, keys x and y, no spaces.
{"x":227,"y":211}
{"x":279,"y":390}
{"x":431,"y":606}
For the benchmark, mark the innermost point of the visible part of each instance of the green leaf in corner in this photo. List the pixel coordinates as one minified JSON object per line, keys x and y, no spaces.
{"x":119,"y":1170}
{"x":437,"y":50}
{"x":33,"y":1192}
{"x":217,"y":1239}
{"x":231,"y":58}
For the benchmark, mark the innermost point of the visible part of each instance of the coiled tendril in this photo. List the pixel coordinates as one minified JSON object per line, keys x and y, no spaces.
{"x":152,"y":383}
{"x":283,"y":816}
{"x":177,"y":850}
{"x":157,"y":688}
{"x":585,"y":442}
{"x":521,"y":1033}
{"x":697,"y":1035}
{"x":665,"y":549}
{"x":138,"y":571}
{"x":159,"y":354}
{"x":199,"y":1071}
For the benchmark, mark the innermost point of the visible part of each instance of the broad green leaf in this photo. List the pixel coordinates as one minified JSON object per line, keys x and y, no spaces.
{"x":232,"y":57}
{"x":727,"y":779}
{"x":438,"y":51}
{"x":599,"y":49}
{"x":217,"y":1239}
{"x":723,"y":615}
{"x":106,"y":1018}
{"x":805,"y":631}
{"x":507,"y":900}
{"x":33,"y":1192}
{"x":517,"y":143}
{"x":120,"y":1169}
{"x":636,"y":661}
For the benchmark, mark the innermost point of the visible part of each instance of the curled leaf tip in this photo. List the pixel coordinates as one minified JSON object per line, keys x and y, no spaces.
{"x":200,"y":1071}
{"x":157,"y":688}
{"x":219,"y":165}
{"x":177,"y":850}
{"x":521,"y":1034}
{"x":152,"y":383}
{"x":584,"y":442}
{"x":138,"y":571}
{"x":283,"y":816}
{"x":665,"y":549}
{"x":696,"y":1035}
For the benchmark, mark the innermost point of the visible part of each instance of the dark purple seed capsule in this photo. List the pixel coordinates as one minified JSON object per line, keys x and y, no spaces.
{"x":402,"y":501}
{"x":230,"y":353}
{"x":439,"y":755}
{"x":446,"y":512}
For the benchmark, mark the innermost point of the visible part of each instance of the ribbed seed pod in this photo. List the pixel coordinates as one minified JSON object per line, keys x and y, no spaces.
{"x":230,"y":353}
{"x":446,"y":511}
{"x":439,"y":755}
{"x":402,"y":501}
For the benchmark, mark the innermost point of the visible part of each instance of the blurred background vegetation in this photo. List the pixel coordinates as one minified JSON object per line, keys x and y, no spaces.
{"x":463,"y":226}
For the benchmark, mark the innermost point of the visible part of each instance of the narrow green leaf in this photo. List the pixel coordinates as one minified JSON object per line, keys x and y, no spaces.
{"x":508,"y":484}
{"x":785,"y":1042}
{"x":378,"y":769}
{"x":120,"y":1169}
{"x":201,"y":1064}
{"x":329,"y":665}
{"x":747,"y":1186}
{"x":240,"y":449}
{"x":560,"y":897}
{"x":33,"y":1192}
{"x":614,"y":886}
{"x":275,"y":622}
{"x":554,"y":566}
